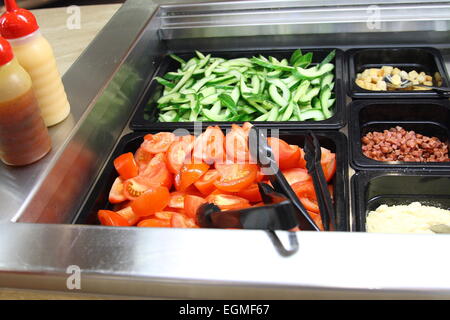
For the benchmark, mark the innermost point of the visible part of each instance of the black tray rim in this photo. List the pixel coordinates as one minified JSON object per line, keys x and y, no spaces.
{"x":336,"y":122}
{"x":359,"y":181}
{"x":360,"y":162}
{"x":355,"y":92}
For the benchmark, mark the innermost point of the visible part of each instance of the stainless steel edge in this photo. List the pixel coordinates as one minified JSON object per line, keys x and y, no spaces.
{"x":224,"y":264}
{"x":298,"y":19}
{"x":103,"y":86}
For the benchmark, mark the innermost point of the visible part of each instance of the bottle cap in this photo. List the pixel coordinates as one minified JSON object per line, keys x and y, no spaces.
{"x":6,"y":52}
{"x":16,"y":22}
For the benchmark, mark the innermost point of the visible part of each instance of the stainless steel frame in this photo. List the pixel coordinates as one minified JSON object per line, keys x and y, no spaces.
{"x":103,"y":86}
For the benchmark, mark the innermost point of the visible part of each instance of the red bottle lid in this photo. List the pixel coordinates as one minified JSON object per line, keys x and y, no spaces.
{"x":6,"y":52}
{"x":16,"y":22}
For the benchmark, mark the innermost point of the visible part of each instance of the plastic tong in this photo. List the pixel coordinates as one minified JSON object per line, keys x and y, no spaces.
{"x":313,"y":155}
{"x":283,"y":209}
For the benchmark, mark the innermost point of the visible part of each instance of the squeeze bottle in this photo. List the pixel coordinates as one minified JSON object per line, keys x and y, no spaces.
{"x":24,"y":137}
{"x":35,"y":55}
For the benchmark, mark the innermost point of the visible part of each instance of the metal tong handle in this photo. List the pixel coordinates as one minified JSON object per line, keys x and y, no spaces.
{"x":313,"y":155}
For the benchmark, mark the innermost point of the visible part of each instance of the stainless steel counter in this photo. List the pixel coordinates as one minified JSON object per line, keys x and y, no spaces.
{"x":38,"y":203}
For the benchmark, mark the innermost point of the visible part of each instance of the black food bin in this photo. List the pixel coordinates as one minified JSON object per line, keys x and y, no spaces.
{"x":335,"y":141}
{"x":428,"y":60}
{"x":370,"y":189}
{"x":146,"y":115}
{"x":429,"y":117}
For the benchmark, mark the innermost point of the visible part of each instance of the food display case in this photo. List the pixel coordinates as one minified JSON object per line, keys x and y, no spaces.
{"x":46,"y":209}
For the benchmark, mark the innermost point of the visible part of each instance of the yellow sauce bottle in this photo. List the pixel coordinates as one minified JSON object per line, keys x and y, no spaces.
{"x":35,"y":55}
{"x":24,"y":137}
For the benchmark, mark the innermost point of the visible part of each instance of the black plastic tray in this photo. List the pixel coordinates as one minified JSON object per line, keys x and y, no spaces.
{"x":146,"y":115}
{"x":429,"y":117}
{"x":370,"y":189}
{"x":334,"y":141}
{"x":420,"y":59}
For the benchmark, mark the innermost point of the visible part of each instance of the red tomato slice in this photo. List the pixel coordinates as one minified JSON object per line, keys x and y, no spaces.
{"x":208,"y":147}
{"x":153,"y":200}
{"x":157,"y":173}
{"x":310,"y":205}
{"x":190,"y":173}
{"x":287,"y":156}
{"x":142,"y":158}
{"x":247,"y":126}
{"x":129,"y":215}
{"x":111,"y":218}
{"x":251,"y":193}
{"x":191,"y":204}
{"x":235,"y":177}
{"x":116,"y":194}
{"x":206,"y":183}
{"x":181,"y":221}
{"x":328,"y":162}
{"x":317,"y":219}
{"x":160,"y":142}
{"x":134,"y":187}
{"x":164,"y":215}
{"x":305,"y":189}
{"x":126,"y":166}
{"x":302,"y":161}
{"x":228,"y":202}
{"x":178,"y":154}
{"x":177,"y":200}
{"x":296,"y":175}
{"x":154,"y":223}
{"x":236,"y":145}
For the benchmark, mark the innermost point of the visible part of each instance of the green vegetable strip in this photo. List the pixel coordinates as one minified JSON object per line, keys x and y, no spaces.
{"x":207,"y":88}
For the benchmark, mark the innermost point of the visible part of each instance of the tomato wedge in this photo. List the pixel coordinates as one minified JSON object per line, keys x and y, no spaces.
{"x":157,"y":173}
{"x":251,"y":193}
{"x":153,"y":200}
{"x":317,"y":219}
{"x":190,"y":173}
{"x":134,"y":187}
{"x":181,"y":221}
{"x":191,"y":204}
{"x":142,"y":158}
{"x":206,"y":183}
{"x":129,"y":215}
{"x":154,"y":223}
{"x":126,"y":166}
{"x":302,"y":161}
{"x":111,"y":218}
{"x":228,"y":202}
{"x":287,"y":156}
{"x":177,"y":200}
{"x":296,"y":175}
{"x":178,"y":154}
{"x":235,"y":177}
{"x":305,"y":189}
{"x":208,"y":146}
{"x":156,"y":143}
{"x":164,"y":215}
{"x":236,"y":145}
{"x":116,"y":194}
{"x":328,"y":162}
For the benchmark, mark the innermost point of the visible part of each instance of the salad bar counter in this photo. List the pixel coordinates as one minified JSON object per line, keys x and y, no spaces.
{"x":338,"y":93}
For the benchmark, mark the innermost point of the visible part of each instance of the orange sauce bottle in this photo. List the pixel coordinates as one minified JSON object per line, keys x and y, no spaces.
{"x":24,"y":137}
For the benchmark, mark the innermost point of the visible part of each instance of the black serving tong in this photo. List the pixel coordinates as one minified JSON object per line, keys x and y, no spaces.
{"x":313,"y":155}
{"x":277,"y":214}
{"x":261,"y":151}
{"x":283,"y":209}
